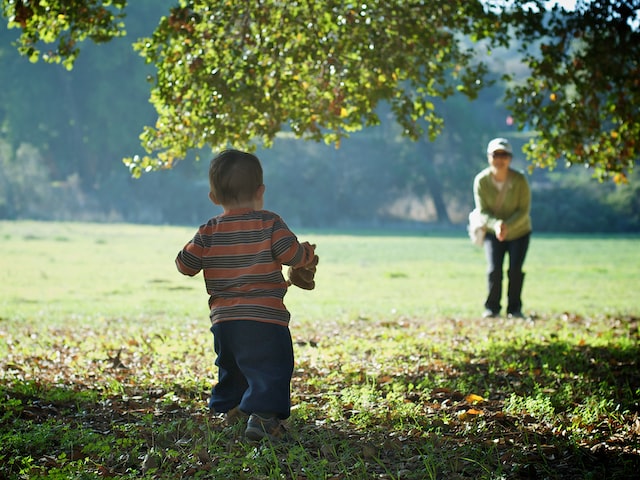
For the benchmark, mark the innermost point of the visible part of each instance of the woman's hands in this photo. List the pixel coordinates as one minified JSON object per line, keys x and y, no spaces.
{"x":501,"y":231}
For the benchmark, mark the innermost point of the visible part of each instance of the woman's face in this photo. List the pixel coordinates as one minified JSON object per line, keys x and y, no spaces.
{"x":499,"y":160}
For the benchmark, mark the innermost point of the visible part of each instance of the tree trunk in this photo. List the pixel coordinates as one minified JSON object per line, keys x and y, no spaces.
{"x":434,"y":187}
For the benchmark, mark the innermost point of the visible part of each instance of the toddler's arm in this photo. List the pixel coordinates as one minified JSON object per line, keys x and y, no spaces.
{"x":189,"y":259}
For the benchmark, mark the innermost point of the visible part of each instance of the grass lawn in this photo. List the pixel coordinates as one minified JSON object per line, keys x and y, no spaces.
{"x":106,"y":361}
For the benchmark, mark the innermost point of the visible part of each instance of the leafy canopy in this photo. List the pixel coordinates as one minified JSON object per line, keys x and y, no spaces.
{"x":582,"y":97}
{"x":237,"y":73}
{"x":65,"y":22}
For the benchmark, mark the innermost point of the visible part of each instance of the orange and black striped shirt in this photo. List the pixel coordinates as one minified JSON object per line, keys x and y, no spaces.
{"x":241,"y":254}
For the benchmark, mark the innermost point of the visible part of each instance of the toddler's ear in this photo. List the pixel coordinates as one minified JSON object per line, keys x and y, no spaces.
{"x":213,"y":198}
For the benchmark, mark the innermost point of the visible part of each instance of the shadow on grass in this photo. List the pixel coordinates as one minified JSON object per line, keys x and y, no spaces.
{"x":567,"y":374}
{"x":573,"y":410}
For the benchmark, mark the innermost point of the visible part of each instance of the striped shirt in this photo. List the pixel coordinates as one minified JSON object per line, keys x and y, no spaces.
{"x":241,"y":254}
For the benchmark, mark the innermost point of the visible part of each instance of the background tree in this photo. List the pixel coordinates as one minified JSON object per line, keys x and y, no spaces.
{"x":63,"y":135}
{"x":233,"y":73}
{"x":236,"y":73}
{"x":43,"y":23}
{"x":582,"y":96}
{"x":79,"y":119}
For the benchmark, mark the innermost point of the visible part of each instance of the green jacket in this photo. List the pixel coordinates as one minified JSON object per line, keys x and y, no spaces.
{"x":516,"y":203}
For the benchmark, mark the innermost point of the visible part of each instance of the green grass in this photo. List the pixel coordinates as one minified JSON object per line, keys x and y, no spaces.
{"x":68,"y":271}
{"x":106,"y":361}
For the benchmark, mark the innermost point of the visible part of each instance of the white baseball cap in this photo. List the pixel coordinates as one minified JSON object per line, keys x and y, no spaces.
{"x":499,"y":144}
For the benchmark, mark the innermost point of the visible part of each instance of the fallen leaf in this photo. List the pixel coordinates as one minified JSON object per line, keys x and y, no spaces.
{"x":473,"y":398}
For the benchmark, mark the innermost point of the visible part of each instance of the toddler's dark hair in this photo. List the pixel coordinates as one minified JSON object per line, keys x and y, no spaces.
{"x":235,"y":176}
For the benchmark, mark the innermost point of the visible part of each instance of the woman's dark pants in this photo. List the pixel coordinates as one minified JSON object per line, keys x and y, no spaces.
{"x":495,"y":252}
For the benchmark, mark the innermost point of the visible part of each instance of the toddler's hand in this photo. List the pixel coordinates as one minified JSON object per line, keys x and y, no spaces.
{"x":303,"y":277}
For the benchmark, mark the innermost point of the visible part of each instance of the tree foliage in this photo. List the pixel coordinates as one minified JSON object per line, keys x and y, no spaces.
{"x":237,"y":73}
{"x":582,"y":97}
{"x":234,"y":72}
{"x":45,"y":22}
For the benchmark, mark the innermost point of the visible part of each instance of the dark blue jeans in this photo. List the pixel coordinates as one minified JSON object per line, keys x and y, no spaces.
{"x":495,"y":252}
{"x":255,"y":364}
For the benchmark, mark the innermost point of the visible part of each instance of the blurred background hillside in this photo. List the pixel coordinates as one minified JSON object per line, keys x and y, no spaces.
{"x":63,"y":135}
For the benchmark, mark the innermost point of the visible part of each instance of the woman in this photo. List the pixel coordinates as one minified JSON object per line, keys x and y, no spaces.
{"x":503,"y":198}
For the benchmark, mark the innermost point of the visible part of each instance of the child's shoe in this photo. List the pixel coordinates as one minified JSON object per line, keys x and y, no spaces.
{"x":259,"y":427}
{"x":235,"y":416}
